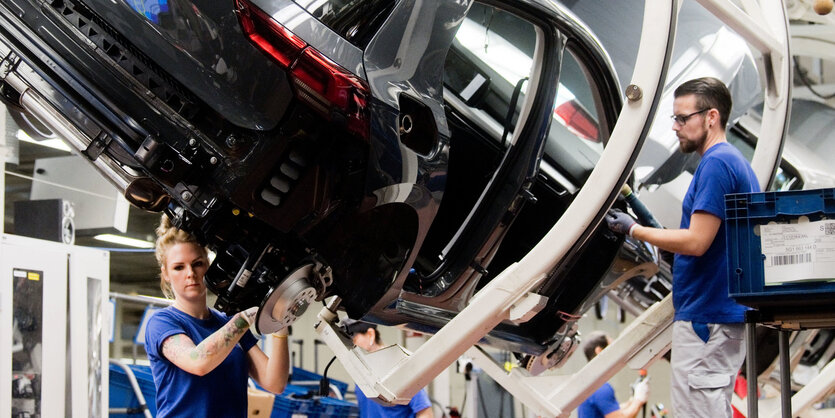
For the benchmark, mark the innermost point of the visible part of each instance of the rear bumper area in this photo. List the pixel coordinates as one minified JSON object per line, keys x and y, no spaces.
{"x":16,"y":83}
{"x":33,"y":78}
{"x":112,"y":104}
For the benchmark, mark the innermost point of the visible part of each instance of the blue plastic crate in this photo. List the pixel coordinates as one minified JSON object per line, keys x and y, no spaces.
{"x":308,"y":379}
{"x":744,"y":213}
{"x":122,"y":394}
{"x":297,"y":405}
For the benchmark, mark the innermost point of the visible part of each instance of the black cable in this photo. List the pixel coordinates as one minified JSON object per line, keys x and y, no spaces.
{"x":464,"y":402}
{"x":487,"y":29}
{"x":324,"y":383}
{"x":325,"y":373}
{"x":441,"y":407}
{"x":801,"y":73}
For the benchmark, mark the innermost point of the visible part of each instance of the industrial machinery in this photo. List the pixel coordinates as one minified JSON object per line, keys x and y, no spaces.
{"x":401,"y":161}
{"x":55,"y":327}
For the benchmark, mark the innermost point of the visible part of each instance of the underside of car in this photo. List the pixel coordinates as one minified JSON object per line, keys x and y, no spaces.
{"x":320,"y":159}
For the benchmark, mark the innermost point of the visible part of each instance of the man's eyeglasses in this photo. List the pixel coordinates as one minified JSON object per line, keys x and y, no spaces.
{"x":682,"y":119}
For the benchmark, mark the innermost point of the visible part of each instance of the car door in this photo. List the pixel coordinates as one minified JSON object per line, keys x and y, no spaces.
{"x":507,"y":185}
{"x":500,"y":81}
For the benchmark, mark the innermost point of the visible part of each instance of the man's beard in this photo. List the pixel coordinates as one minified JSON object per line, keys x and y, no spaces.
{"x":688,"y":145}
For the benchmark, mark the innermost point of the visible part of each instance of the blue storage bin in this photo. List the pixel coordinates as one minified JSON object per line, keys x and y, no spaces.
{"x":744,"y":213}
{"x":122,"y":394}
{"x":295,"y":401}
{"x":301,"y":375}
{"x":297,"y":405}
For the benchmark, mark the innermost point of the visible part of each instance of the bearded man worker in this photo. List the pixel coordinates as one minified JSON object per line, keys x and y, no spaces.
{"x":708,"y":347}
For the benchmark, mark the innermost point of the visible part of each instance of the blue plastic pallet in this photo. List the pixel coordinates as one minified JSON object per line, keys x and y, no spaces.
{"x":302,"y":375}
{"x":293,"y":404}
{"x":298,"y":400}
{"x":121,"y":393}
{"x":744,"y":212}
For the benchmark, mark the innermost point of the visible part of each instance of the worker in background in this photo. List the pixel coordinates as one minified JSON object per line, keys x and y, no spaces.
{"x":602,"y":403}
{"x":366,"y":336}
{"x":707,"y":348}
{"x":201,"y":358}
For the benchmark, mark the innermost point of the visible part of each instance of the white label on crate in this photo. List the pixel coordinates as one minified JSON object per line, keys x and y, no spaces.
{"x":798,"y":252}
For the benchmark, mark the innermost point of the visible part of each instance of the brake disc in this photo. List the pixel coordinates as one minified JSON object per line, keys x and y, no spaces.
{"x":555,"y":356}
{"x":287,"y":302}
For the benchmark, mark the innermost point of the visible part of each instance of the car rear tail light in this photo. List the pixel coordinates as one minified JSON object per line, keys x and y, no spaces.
{"x":269,"y":35}
{"x":327,"y":87}
{"x":578,"y":120}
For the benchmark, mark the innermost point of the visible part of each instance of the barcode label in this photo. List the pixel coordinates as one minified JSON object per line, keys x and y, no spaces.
{"x":783,"y":260}
{"x":798,"y":251}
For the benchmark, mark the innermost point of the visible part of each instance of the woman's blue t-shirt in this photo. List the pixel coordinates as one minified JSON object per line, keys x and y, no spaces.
{"x":219,"y":393}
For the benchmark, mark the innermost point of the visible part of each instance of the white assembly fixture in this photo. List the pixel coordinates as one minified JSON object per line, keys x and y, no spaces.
{"x":394,"y":375}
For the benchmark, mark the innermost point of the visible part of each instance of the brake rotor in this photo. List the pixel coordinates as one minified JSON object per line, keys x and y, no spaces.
{"x":555,"y":356}
{"x":538,"y":364}
{"x":286,"y":303}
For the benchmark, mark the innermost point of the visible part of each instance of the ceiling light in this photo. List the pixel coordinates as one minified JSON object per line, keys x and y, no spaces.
{"x":121,"y":240}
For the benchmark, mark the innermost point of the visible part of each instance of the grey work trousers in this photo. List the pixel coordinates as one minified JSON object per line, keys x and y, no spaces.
{"x":704,"y":372}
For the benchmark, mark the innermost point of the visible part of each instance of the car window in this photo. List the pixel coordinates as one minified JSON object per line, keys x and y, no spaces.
{"x":486,"y":74}
{"x":575,"y":108}
{"x":575,"y":140}
{"x":357,"y":21}
{"x":491,"y":57}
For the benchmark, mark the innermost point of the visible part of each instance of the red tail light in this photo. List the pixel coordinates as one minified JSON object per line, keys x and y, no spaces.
{"x":578,"y":120}
{"x":325,"y":85}
{"x":321,"y":83}
{"x":269,"y":35}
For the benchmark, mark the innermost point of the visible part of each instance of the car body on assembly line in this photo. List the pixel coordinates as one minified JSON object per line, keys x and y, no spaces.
{"x":809,"y":141}
{"x":395,"y":154}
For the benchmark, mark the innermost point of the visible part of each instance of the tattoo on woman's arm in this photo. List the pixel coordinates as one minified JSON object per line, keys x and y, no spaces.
{"x":178,"y":346}
{"x":240,"y":323}
{"x":233,"y":329}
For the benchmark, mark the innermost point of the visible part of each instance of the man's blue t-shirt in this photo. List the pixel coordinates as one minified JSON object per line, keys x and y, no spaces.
{"x":371,"y":409}
{"x":700,"y":284}
{"x":219,"y":393}
{"x":600,"y":403}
